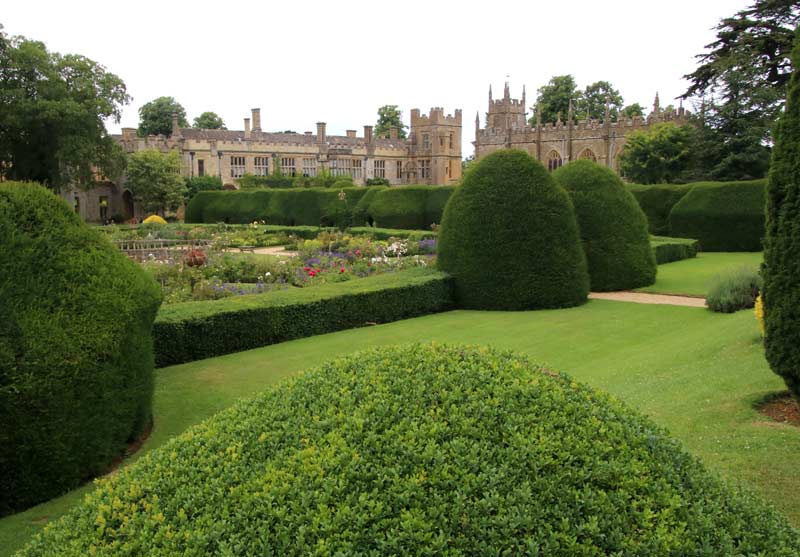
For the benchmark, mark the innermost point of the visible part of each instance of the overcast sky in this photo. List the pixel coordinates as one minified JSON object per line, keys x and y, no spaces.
{"x":338,"y":61}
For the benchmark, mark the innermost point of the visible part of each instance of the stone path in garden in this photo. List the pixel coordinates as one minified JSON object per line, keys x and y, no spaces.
{"x":275,"y":250}
{"x":643,"y":298}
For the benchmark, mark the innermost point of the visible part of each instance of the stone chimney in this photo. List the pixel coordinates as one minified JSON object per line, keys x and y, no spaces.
{"x":176,"y":131}
{"x":368,"y":134}
{"x":394,"y":132}
{"x":321,"y":132}
{"x":308,"y":133}
{"x":256,"y":119}
{"x":247,"y":128}
{"x":351,"y":133}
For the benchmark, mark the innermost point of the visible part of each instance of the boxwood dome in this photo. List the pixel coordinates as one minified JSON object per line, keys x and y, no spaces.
{"x":510,"y":239}
{"x":612,"y":225}
{"x":421,"y":449}
{"x":76,"y":351}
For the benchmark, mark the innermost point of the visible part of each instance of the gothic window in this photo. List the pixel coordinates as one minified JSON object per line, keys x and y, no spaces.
{"x":380,"y":169}
{"x":262,"y":166}
{"x":237,"y":167}
{"x":399,"y":170}
{"x":587,"y":154}
{"x":553,"y":160}
{"x":426,"y":141}
{"x":451,"y":140}
{"x":309,"y":167}
{"x":356,"y":169}
{"x":287,"y":166}
{"x":201,"y":167}
{"x":441,"y":141}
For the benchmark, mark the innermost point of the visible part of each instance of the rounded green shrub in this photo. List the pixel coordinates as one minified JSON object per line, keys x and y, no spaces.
{"x":510,"y":239}
{"x":657,"y":201}
{"x":612,"y":225}
{"x":76,"y":350}
{"x":421,"y":450}
{"x":723,"y":216}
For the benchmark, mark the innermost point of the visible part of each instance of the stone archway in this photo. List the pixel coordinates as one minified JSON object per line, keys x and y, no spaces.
{"x":553,"y":160}
{"x":587,"y":154}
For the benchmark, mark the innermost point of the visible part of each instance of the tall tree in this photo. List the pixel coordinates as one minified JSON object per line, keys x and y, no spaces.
{"x":52,"y":113}
{"x":782,"y":246}
{"x":155,"y":117}
{"x":154,"y":179}
{"x":209,"y":121}
{"x":742,"y":83}
{"x":554,"y":98}
{"x":592,"y":102}
{"x":659,"y":154}
{"x":389,"y":115}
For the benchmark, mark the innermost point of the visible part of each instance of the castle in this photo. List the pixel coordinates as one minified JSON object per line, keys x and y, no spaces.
{"x":556,"y":143}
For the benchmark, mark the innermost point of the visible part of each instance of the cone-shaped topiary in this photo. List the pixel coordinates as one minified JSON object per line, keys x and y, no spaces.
{"x":781,"y":294}
{"x":612,"y":225}
{"x":421,"y":450}
{"x":76,"y":348}
{"x":509,"y":238}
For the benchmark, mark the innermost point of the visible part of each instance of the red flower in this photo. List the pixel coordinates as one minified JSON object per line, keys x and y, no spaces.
{"x":306,"y":269}
{"x":341,"y":270}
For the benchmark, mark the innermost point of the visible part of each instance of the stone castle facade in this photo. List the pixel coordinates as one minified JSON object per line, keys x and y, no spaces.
{"x":556,"y":143}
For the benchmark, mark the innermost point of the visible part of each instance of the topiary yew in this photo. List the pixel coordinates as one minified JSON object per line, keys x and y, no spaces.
{"x":510,"y":239}
{"x":421,"y":450}
{"x":76,"y":351}
{"x":781,"y":294}
{"x":612,"y":225}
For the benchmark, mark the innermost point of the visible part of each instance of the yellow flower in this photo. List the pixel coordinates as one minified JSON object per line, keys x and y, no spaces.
{"x":759,"y":311}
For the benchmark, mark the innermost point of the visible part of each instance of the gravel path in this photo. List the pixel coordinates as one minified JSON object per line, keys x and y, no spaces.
{"x":643,"y":298}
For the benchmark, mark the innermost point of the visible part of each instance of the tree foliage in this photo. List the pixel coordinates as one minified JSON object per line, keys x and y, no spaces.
{"x":781,"y":293}
{"x":553,"y":99}
{"x":155,"y":117}
{"x":592,"y":102}
{"x":390,"y":115}
{"x":660,"y":154}
{"x":632,"y":110}
{"x":209,"y":121}
{"x":155,"y":181}
{"x":52,"y":112}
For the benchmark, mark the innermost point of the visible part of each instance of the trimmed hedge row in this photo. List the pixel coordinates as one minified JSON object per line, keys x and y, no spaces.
{"x":727,"y":216}
{"x":409,"y":207}
{"x":386,"y":233}
{"x":308,"y":206}
{"x":76,"y":348}
{"x":657,"y":201}
{"x":403,"y":207}
{"x":421,"y":450}
{"x":667,"y":249}
{"x":195,"y":330}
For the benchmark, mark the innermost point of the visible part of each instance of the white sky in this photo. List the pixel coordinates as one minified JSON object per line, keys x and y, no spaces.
{"x":338,"y":61}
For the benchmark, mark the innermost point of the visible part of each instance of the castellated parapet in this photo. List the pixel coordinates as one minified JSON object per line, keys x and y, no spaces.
{"x":555,"y":143}
{"x":430,"y":155}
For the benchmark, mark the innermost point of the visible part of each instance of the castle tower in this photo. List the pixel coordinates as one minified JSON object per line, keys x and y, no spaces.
{"x":506,"y":113}
{"x":436,"y":150}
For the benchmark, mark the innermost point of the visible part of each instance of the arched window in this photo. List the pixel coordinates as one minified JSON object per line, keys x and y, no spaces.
{"x":587,"y":154}
{"x":553,"y":160}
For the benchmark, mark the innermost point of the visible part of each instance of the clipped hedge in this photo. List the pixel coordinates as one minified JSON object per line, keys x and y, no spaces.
{"x":667,"y":250}
{"x":657,"y":201}
{"x":612,"y":226}
{"x":195,"y":330}
{"x":510,"y":239}
{"x":76,"y":351}
{"x":421,"y":450}
{"x":723,"y":216}
{"x":386,"y":233}
{"x":306,"y":206}
{"x":409,"y":207}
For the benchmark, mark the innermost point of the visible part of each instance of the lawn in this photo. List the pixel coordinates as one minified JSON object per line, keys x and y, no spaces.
{"x":695,"y":372}
{"x":691,"y":277}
